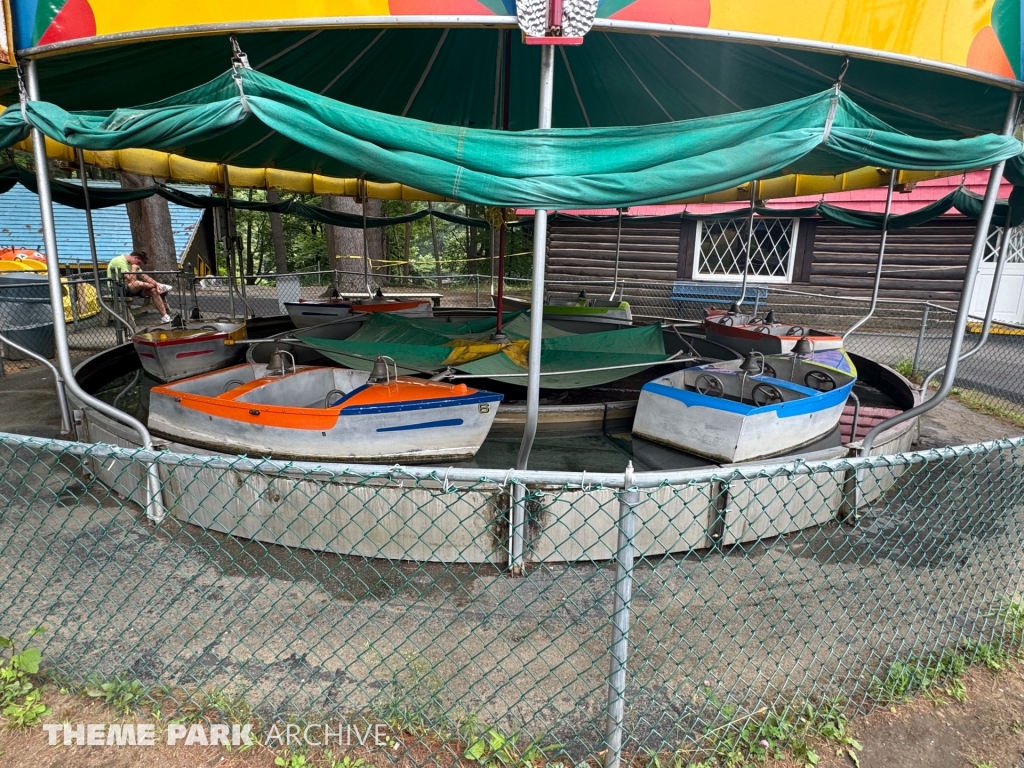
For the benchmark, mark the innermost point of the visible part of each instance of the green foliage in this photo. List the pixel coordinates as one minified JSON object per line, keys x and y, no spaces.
{"x":345,"y":761}
{"x":118,"y":693}
{"x":905,"y":368}
{"x":19,"y":697}
{"x":784,"y":732}
{"x":919,"y":674}
{"x":294,"y":760}
{"x":494,"y":747}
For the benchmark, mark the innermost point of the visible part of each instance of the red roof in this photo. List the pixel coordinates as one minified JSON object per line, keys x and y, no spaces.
{"x":873,"y":199}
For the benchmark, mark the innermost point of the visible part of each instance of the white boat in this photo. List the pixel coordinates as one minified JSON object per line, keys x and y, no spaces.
{"x":578,"y":314}
{"x":766,"y":336}
{"x":741,"y":410}
{"x":168,"y":353}
{"x":324,"y":414}
{"x":305,"y":313}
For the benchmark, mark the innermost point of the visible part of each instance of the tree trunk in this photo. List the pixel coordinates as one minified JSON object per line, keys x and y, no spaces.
{"x":150,"y":222}
{"x":277,"y":235}
{"x":345,"y":246}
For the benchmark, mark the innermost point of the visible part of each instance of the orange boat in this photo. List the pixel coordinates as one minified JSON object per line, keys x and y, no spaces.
{"x":320,"y":413}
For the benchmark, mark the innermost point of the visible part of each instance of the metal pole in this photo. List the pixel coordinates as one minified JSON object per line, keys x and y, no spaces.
{"x":618,"y":246}
{"x":881,"y":257}
{"x":967,"y":291}
{"x":154,"y":504}
{"x":501,"y":274}
{"x":540,"y":231}
{"x":624,"y":556}
{"x":750,"y":240}
{"x":919,"y":349}
{"x":228,"y":245}
{"x":990,"y":309}
{"x":92,"y":246}
{"x":366,"y":248}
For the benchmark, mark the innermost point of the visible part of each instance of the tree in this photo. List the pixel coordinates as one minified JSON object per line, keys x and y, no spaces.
{"x":150,"y":221}
{"x":345,"y":244}
{"x":277,"y":235}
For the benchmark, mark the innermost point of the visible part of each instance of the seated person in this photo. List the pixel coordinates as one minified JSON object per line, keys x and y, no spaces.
{"x":138,"y":284}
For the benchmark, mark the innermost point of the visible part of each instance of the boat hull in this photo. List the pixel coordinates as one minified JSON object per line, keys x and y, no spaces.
{"x":286,"y":421}
{"x":305,"y":314}
{"x":729,"y":429}
{"x":174,"y":354}
{"x":768,"y":339}
{"x":666,"y":415}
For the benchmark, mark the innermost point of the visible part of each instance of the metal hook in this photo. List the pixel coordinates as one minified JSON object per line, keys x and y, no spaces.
{"x":842,"y":73}
{"x":238,"y":56}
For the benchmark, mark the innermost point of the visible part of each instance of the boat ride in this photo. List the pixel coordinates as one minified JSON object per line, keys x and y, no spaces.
{"x":744,"y":333}
{"x":306,"y":313}
{"x":580,"y":315}
{"x":749,"y":408}
{"x":320,"y":413}
{"x":170,"y":352}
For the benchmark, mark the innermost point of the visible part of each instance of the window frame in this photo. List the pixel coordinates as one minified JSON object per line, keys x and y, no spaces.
{"x":786,"y":279}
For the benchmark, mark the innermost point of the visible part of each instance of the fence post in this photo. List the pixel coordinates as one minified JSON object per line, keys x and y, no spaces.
{"x":615,"y":716}
{"x":920,"y":339}
{"x":72,"y":287}
{"x":476,"y":281}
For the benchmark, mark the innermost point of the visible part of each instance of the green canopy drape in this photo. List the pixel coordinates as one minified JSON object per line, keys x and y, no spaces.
{"x":825,"y":133}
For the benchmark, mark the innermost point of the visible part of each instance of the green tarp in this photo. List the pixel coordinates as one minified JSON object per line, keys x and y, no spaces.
{"x":425,"y":345}
{"x":825,"y":133}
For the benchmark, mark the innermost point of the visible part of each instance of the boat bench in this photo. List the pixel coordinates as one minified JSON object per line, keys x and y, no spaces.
{"x":715,"y":293}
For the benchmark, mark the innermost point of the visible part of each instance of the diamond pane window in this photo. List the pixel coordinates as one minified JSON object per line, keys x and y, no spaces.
{"x":1016,"y":253}
{"x":721,"y":247}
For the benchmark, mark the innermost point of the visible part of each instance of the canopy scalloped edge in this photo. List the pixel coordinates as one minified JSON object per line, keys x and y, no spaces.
{"x":175,"y":168}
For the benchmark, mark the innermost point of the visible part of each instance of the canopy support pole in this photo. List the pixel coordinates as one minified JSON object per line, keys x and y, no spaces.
{"x":966,"y":292}
{"x":540,"y":232}
{"x":366,"y":250}
{"x":618,"y":248}
{"x":228,"y":245}
{"x":92,"y":249}
{"x":881,"y":257}
{"x":990,"y":310}
{"x":154,"y":504}
{"x":500,"y":309}
{"x":506,"y":85}
{"x":750,"y":240}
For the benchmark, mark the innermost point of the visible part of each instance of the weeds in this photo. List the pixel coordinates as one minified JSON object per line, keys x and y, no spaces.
{"x":19,"y":697}
{"x":493,"y":746}
{"x":788,"y":731}
{"x":117,"y":693}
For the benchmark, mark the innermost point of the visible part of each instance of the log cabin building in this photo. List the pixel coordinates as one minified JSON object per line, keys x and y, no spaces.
{"x":924,"y":263}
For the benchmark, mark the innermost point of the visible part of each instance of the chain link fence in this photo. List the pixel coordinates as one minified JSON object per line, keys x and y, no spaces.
{"x":690,"y":608}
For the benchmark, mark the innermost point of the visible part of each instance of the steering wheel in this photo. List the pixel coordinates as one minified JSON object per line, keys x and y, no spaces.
{"x":763,"y":329}
{"x":766,"y":394}
{"x":796,"y":330}
{"x":727,"y":321}
{"x":208,"y":328}
{"x":820,"y":381}
{"x":767,"y":370}
{"x":710,"y":385}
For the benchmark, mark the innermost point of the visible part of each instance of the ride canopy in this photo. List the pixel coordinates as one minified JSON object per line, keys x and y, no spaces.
{"x":825,"y":133}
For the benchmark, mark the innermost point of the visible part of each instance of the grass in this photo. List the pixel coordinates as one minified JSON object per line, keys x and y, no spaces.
{"x":979,"y":402}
